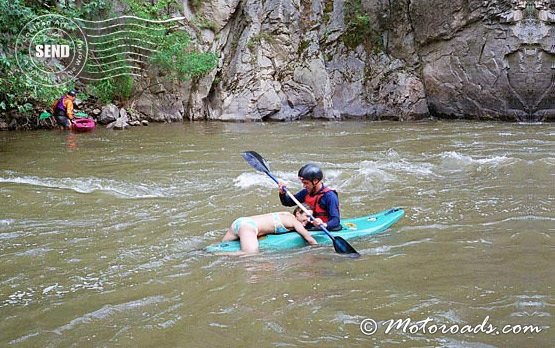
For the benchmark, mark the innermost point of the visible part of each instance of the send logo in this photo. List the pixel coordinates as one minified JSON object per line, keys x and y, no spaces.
{"x":52,"y":51}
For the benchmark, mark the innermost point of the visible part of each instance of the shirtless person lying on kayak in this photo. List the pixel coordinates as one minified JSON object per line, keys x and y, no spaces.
{"x":248,"y":229}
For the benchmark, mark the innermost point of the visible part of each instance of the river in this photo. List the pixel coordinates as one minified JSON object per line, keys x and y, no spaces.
{"x":102,"y":236}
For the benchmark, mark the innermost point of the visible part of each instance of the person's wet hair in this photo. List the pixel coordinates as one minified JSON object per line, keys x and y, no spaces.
{"x":299,"y":210}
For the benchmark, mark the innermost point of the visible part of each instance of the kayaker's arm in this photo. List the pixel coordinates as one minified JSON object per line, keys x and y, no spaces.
{"x":69,"y":108}
{"x":331,"y":202}
{"x":287,"y":201}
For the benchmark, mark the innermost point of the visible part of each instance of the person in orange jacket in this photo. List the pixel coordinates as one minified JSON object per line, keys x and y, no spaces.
{"x":62,"y":109}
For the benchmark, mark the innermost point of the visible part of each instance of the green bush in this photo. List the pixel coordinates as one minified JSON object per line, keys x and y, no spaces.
{"x":160,"y":9}
{"x":359,"y":30}
{"x":177,"y":60}
{"x":175,"y":57}
{"x":18,"y":92}
{"x":103,"y":90}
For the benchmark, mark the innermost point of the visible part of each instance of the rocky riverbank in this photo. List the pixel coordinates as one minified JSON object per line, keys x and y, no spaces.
{"x":110,"y":116}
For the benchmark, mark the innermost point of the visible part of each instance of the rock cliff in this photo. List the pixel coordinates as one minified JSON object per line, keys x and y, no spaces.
{"x":372,"y":59}
{"x":487,"y":59}
{"x":376,"y":59}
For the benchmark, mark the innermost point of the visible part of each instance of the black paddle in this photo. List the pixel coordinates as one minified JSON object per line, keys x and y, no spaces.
{"x":257,"y":162}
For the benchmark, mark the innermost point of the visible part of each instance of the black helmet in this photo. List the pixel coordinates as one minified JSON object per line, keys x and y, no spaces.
{"x":311,"y":172}
{"x":72,"y":93}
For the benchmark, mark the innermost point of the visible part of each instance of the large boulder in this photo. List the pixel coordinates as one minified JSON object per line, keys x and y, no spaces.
{"x":109,"y":114}
{"x":121,"y":122}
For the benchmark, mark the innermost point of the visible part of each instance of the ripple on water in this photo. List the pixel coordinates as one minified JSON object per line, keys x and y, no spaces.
{"x":110,"y":311}
{"x":10,"y":235}
{"x":34,"y":252}
{"x":117,"y":188}
{"x":6,"y":222}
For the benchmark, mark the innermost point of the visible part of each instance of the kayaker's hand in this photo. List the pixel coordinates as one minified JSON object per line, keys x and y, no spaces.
{"x":281,"y":186}
{"x":312,"y":241}
{"x":318,"y":222}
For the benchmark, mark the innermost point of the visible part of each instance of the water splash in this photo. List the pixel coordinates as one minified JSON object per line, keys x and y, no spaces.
{"x":255,"y":179}
{"x":454,"y":161}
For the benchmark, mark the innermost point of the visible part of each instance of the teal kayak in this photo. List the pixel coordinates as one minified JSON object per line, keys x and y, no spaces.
{"x":352,"y":228}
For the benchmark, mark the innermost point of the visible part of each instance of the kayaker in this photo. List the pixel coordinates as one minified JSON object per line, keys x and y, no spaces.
{"x":322,"y":200}
{"x":248,"y":229}
{"x":62,"y":109}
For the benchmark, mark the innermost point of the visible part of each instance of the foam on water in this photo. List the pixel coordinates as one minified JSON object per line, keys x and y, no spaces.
{"x":255,"y":179}
{"x":6,"y":222}
{"x":248,"y":180}
{"x":108,"y":311}
{"x":372,"y":170}
{"x":89,"y":185}
{"x":133,"y":270}
{"x":385,"y":168}
{"x":454,"y":161}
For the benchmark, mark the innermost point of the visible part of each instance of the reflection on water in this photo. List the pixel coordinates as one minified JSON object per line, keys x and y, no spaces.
{"x":101,"y":235}
{"x":71,"y":141}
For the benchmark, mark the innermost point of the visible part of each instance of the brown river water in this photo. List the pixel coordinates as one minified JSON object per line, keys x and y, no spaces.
{"x":102,"y":237}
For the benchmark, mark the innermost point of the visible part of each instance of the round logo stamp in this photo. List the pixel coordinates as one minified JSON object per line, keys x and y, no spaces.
{"x":51,"y":50}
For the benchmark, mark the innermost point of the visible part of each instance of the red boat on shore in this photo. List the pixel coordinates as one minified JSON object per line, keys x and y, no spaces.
{"x":83,"y":125}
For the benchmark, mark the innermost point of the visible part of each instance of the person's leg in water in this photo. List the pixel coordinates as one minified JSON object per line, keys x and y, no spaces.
{"x":229,"y":235}
{"x":63,"y":122}
{"x":248,"y":238}
{"x":233,"y":230}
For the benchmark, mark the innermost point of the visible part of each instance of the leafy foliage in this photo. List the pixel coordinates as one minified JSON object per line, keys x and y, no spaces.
{"x":161,"y":9}
{"x":175,"y":57}
{"x":177,"y":60}
{"x":359,"y":29}
{"x":107,"y":90}
{"x":13,"y":17}
{"x":17,"y":92}
{"x":103,"y":90}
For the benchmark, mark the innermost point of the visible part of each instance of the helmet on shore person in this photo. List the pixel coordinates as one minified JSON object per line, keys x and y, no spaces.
{"x":311,"y":172}
{"x":72,"y":93}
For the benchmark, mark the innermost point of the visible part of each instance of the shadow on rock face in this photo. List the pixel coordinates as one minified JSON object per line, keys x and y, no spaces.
{"x":495,"y":60}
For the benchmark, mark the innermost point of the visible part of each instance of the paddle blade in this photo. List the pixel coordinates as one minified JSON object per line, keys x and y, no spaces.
{"x":256,"y":161}
{"x":342,"y":247}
